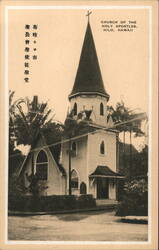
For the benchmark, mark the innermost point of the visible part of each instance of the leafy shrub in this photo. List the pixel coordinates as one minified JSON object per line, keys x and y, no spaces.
{"x":50,"y":203}
{"x":135,"y":199}
{"x":86,"y":201}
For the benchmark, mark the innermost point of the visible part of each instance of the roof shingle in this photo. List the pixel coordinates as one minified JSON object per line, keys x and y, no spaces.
{"x":88,"y":78}
{"x":105,"y":172}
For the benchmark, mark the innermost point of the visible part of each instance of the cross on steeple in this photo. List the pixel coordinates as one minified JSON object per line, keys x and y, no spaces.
{"x":88,"y":14}
{"x":88,"y":78}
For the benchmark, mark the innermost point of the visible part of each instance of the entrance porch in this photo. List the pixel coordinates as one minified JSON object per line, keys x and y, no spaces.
{"x":103,"y":183}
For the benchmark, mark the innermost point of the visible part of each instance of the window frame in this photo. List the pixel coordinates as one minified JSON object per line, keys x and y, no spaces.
{"x":75,"y":108}
{"x":78,"y":182}
{"x":45,"y":165}
{"x":102,"y":150}
{"x":101,"y":109}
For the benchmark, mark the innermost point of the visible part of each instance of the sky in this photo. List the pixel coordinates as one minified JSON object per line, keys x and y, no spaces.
{"x":123,"y":56}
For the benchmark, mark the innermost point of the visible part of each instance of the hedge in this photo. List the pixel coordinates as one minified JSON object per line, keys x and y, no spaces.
{"x":50,"y":203}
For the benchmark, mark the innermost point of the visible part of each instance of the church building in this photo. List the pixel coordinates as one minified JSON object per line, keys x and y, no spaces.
{"x":92,"y":165}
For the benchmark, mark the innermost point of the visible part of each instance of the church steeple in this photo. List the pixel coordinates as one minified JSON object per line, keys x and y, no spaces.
{"x":88,"y":79}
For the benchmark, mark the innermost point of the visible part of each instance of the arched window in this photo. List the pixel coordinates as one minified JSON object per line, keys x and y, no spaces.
{"x":74,"y":148}
{"x":102,"y":148}
{"x":42,"y":165}
{"x":101,"y":109}
{"x":83,"y":188}
{"x":74,"y":179}
{"x":75,"y":108}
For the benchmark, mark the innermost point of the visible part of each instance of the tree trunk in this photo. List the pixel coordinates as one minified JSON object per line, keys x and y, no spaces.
{"x":130,"y":149}
{"x":124,"y":149}
{"x":32,"y":163}
{"x":69,"y":167}
{"x":124,"y":143}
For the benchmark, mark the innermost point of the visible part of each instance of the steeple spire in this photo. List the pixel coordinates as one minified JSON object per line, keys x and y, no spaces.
{"x":88,"y":79}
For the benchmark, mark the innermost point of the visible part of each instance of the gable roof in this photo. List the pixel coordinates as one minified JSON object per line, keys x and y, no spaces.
{"x":88,"y":78}
{"x":104,"y":171}
{"x":47,"y":141}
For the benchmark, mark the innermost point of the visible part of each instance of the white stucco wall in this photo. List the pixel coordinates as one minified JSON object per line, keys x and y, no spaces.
{"x":92,"y":187}
{"x":112,"y":190}
{"x":88,"y":158}
{"x":95,"y":158}
{"x":78,"y":162}
{"x":89,"y":102}
{"x":55,"y":182}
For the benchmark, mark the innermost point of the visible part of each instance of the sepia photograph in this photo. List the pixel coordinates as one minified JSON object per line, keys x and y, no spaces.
{"x":79,"y":90}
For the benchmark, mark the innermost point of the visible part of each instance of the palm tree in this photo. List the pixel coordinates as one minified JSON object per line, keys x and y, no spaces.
{"x":15,"y":156}
{"x":12,"y":117}
{"x":123,"y":114}
{"x":31,"y":116}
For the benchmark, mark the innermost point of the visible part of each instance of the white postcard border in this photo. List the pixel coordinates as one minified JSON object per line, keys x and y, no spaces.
{"x":6,"y":53}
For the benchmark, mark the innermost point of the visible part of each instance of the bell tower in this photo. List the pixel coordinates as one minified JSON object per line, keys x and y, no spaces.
{"x":88,"y":93}
{"x":90,"y":159}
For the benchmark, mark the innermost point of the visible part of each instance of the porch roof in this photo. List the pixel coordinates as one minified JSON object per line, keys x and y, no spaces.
{"x":104,"y":171}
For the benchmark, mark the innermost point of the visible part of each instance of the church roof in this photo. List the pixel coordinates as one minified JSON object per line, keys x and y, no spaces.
{"x":104,"y":171}
{"x":53,"y":149}
{"x":88,"y":78}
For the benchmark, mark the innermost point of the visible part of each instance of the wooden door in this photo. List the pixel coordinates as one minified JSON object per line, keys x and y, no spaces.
{"x":102,"y":188}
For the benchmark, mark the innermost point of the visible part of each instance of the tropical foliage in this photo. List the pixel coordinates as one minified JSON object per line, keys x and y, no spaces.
{"x":139,"y":164}
{"x":135,"y":199}
{"x":28,"y":118}
{"x":79,"y":126}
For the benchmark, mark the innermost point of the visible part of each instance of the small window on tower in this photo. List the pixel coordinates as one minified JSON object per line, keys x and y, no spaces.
{"x":75,"y":108}
{"x":101,"y":109}
{"x":102,"y":148}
